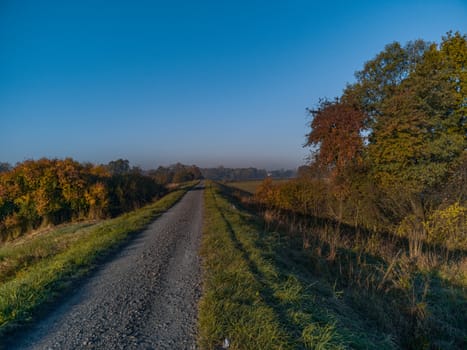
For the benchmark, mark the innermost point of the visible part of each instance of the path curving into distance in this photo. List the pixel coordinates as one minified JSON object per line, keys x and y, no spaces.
{"x":144,"y":298}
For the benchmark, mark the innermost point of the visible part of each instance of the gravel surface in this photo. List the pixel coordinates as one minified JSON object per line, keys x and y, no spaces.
{"x":145,"y":298}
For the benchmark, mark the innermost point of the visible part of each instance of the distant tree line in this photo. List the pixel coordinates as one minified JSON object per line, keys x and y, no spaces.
{"x":180,"y":172}
{"x":282,"y":174}
{"x":175,"y":173}
{"x":44,"y":192}
{"x":243,"y":174}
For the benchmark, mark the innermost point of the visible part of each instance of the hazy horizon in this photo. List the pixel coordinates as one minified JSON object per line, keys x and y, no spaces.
{"x":208,"y":83}
{"x":153,"y":163}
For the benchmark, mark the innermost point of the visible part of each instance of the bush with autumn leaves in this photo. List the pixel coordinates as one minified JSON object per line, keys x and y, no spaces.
{"x":38,"y":193}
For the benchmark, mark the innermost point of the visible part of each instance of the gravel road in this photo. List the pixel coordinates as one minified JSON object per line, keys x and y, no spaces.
{"x":144,"y":298}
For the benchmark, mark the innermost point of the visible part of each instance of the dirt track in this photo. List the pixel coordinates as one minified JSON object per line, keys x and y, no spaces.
{"x":145,"y":298}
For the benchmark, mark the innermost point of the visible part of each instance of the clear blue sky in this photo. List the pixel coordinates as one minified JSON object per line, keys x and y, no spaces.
{"x":204,"y":82}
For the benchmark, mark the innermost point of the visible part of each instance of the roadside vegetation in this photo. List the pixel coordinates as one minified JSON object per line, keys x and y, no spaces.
{"x":269,"y":285}
{"x":259,"y":292}
{"x":37,"y":194}
{"x":416,"y":303}
{"x":48,"y":192}
{"x":374,"y":227}
{"x":36,"y":270}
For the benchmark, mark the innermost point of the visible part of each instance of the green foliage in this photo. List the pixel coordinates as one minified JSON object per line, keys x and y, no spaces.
{"x":380,"y":77}
{"x":420,"y":132}
{"x":414,"y":100}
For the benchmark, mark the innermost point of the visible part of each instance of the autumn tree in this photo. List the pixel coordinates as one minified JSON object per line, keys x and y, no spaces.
{"x":52,"y":191}
{"x":335,"y":135}
{"x":73,"y":179}
{"x":409,"y":101}
{"x":97,"y":198}
{"x":336,"y":139}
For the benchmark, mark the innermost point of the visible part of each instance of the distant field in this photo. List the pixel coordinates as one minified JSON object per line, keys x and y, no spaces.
{"x":252,"y":185}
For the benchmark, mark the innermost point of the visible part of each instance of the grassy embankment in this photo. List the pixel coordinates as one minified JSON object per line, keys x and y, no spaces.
{"x":259,"y":295}
{"x":368,"y":285}
{"x":37,"y":270}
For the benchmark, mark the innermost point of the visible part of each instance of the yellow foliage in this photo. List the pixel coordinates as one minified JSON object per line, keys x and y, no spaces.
{"x":448,"y":226}
{"x":97,"y":198}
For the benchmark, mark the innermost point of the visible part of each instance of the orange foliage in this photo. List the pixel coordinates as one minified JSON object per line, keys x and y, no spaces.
{"x":335,"y":128}
{"x":52,"y":191}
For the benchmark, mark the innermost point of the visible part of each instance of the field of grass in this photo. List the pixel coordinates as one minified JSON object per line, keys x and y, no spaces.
{"x":36,"y":271}
{"x":258,"y":294}
{"x":252,"y":185}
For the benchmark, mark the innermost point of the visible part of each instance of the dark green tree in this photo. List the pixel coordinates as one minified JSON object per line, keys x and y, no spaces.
{"x":419,"y":135}
{"x":421,"y":131}
{"x":119,"y":167}
{"x":381,"y":76}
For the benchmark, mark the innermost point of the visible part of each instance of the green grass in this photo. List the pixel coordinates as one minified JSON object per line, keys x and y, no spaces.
{"x":258,"y":297}
{"x":26,"y":251}
{"x":35,"y":272}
